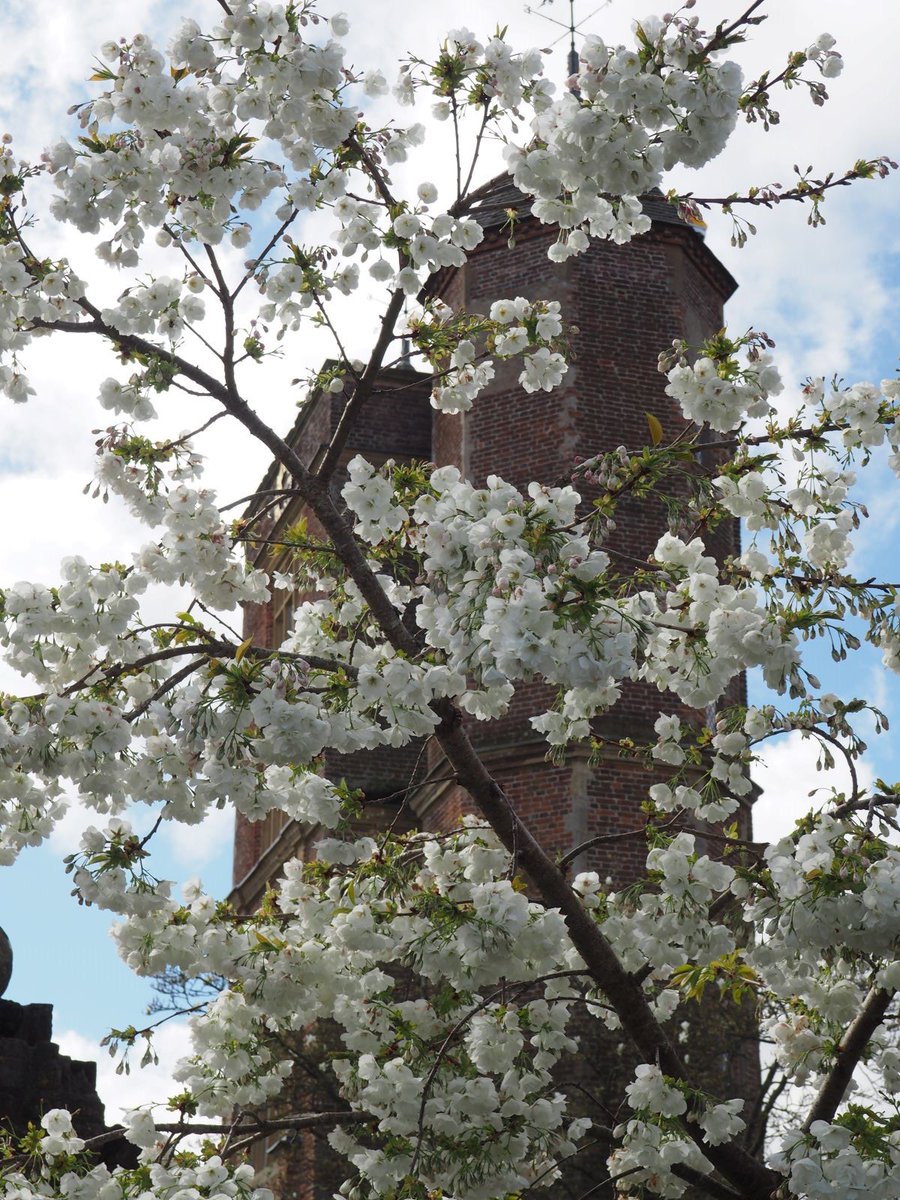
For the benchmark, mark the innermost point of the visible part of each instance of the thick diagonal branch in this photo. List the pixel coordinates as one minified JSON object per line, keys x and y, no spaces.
{"x":624,"y":993}
{"x":365,"y":385}
{"x":850,"y":1050}
{"x":753,"y":1179}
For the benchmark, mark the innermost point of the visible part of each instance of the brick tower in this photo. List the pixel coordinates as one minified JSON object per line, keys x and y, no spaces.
{"x":627,"y":303}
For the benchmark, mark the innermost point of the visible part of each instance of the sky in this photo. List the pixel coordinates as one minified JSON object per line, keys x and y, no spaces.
{"x":827,"y":296}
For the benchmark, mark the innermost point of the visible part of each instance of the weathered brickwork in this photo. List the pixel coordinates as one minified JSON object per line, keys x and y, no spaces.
{"x":626,"y":303}
{"x":35,"y":1076}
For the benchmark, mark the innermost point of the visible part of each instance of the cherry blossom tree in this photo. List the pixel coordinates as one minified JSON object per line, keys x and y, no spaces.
{"x":429,"y":599}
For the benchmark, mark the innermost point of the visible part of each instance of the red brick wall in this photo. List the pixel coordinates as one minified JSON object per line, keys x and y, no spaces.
{"x":627,"y":303}
{"x":396,"y":423}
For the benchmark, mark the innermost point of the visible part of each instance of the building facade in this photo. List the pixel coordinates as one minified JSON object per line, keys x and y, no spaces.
{"x":35,"y":1076}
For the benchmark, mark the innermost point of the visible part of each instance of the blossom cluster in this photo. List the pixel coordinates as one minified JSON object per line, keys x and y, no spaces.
{"x":722,"y":398}
{"x":636,"y":112}
{"x":828,"y":1162}
{"x":331,"y":949}
{"x":56,"y":1151}
{"x":532,"y":329}
{"x":452,"y":981}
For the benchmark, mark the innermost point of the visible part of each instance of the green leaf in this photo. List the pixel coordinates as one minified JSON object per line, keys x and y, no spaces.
{"x":656,"y":429}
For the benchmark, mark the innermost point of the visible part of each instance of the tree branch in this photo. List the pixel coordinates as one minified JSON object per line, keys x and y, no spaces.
{"x":625,"y":996}
{"x":623,"y":993}
{"x":770,"y":196}
{"x":306,"y":1121}
{"x":849,"y":1051}
{"x":454,"y":1031}
{"x":703,"y":1182}
{"x":279,"y":232}
{"x":364,"y":387}
{"x":256,"y":495}
{"x":227,"y":301}
{"x":600,"y":840}
{"x":723,"y":32}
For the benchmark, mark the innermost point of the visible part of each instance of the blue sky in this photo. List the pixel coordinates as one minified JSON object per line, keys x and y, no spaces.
{"x":828,"y":297}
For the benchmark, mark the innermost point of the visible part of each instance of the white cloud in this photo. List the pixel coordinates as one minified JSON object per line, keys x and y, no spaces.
{"x":147,"y":1085}
{"x":791,"y":783}
{"x":66,"y":836}
{"x":178,"y":848}
{"x":51,"y":49}
{"x":193,"y":847}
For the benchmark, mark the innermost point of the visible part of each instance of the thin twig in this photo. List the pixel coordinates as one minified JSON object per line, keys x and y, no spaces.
{"x":815,"y":731}
{"x":186,"y":437}
{"x":723,"y":31}
{"x":210,"y":347}
{"x":253,"y":540}
{"x":451,"y":1036}
{"x":256,"y":495}
{"x":279,"y":232}
{"x":227,"y":301}
{"x":455,"y":112}
{"x":364,"y":386}
{"x":485,"y":116}
{"x":172,"y":682}
{"x":557,"y":1163}
{"x":703,"y":1182}
{"x":609,"y":1179}
{"x":599,"y":840}
{"x":307,"y":1121}
{"x":187,"y":254}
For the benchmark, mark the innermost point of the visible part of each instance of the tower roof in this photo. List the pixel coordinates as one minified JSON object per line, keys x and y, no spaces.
{"x":489,"y":204}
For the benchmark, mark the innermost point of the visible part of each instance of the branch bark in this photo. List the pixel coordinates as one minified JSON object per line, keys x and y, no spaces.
{"x":849,"y":1052}
{"x":364,"y":386}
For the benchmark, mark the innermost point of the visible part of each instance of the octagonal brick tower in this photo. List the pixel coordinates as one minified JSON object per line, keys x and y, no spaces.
{"x":627,"y":304}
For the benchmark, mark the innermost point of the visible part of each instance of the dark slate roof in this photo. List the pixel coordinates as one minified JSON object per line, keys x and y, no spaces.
{"x":488,"y":204}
